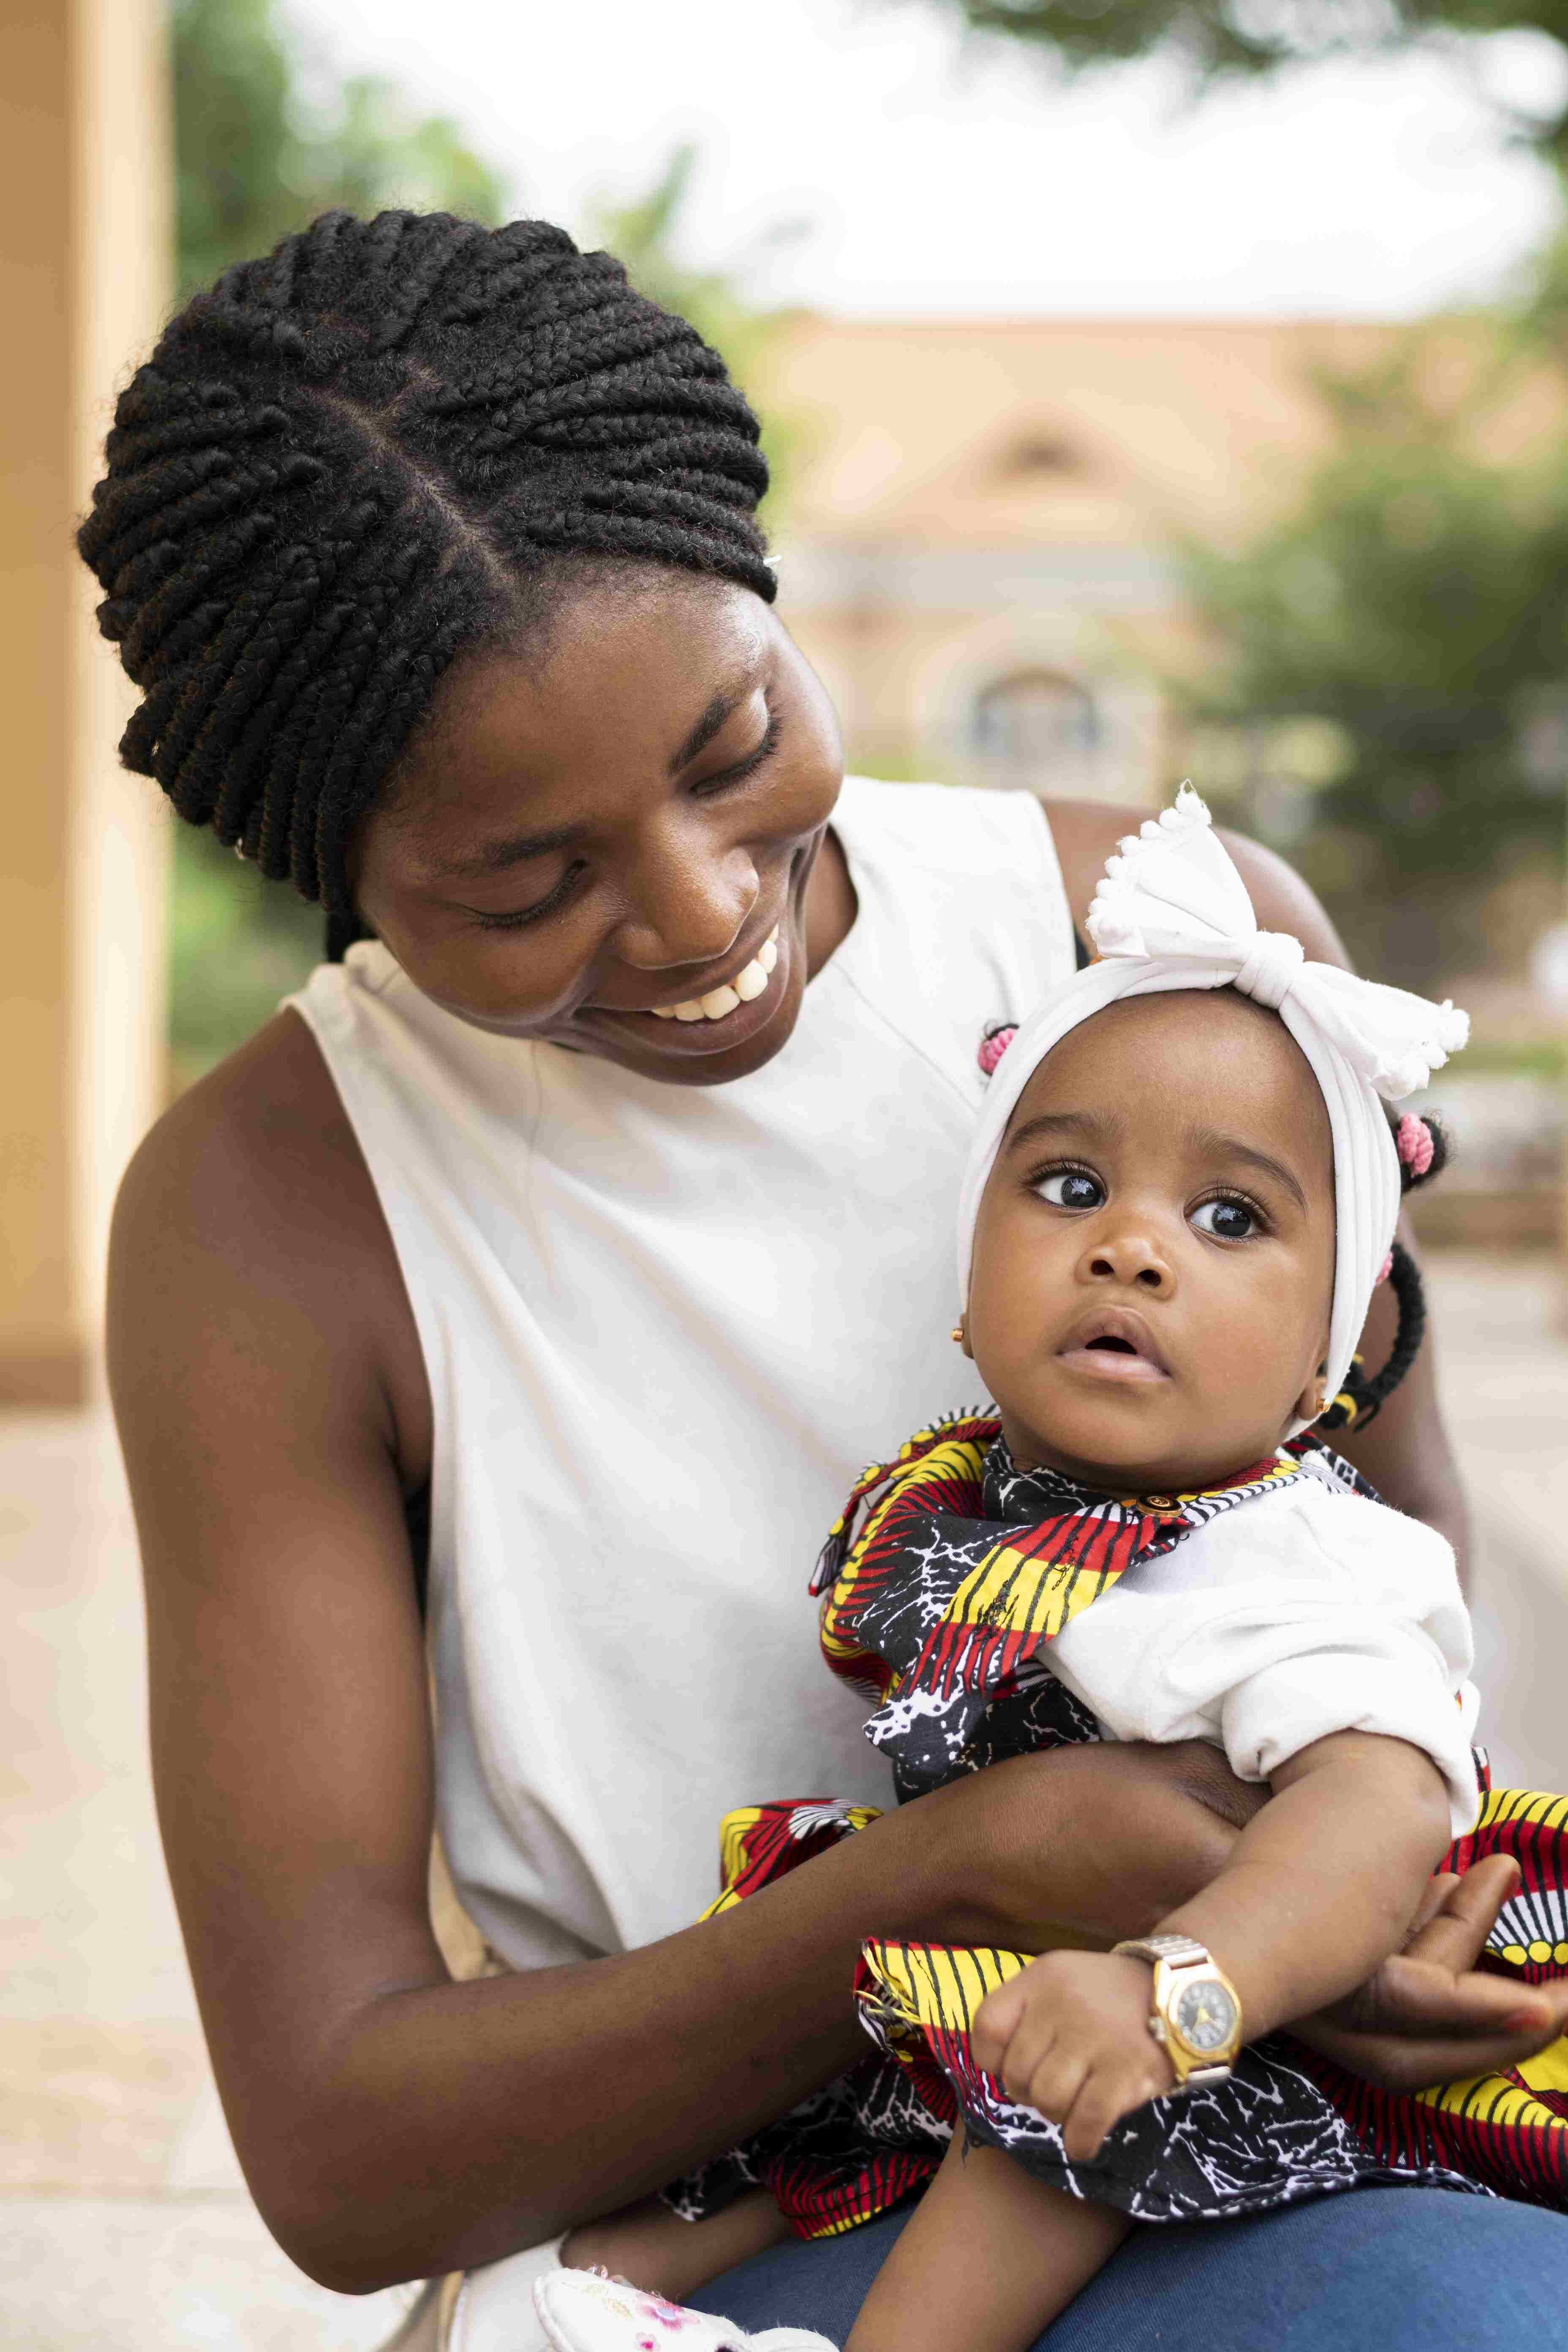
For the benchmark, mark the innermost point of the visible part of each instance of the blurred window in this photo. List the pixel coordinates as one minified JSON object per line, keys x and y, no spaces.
{"x":1036,"y":454}
{"x":1034,"y":729}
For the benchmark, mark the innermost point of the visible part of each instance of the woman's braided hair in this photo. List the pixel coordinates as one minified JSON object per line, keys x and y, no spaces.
{"x":385,"y":443}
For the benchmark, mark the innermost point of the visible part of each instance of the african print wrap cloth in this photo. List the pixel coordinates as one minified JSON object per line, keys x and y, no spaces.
{"x":964,"y":1570}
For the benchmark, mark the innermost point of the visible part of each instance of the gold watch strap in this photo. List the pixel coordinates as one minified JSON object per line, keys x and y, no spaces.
{"x":1176,"y":1959}
{"x":1180,"y":1951}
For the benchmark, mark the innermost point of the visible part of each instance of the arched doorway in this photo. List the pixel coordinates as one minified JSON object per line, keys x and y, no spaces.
{"x":1034,"y":730}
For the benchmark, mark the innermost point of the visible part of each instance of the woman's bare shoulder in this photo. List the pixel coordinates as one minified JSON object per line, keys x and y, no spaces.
{"x":250,"y":1209}
{"x":254,"y":1161}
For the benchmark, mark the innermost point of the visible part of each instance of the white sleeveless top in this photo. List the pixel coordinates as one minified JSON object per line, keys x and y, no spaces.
{"x":666,"y":1327}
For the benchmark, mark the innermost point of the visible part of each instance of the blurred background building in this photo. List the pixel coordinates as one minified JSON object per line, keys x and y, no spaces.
{"x":1114,"y":440}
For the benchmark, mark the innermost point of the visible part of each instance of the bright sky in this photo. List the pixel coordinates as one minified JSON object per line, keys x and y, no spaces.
{"x":937,"y":182}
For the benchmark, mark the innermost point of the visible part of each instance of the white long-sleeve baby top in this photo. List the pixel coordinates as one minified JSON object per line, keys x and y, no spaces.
{"x":1309,"y":1611}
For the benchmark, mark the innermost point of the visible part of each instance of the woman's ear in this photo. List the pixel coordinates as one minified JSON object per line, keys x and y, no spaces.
{"x":960,"y":1337}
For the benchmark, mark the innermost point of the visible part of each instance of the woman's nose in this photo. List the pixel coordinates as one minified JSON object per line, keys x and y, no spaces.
{"x":688,"y":905}
{"x":1130,"y":1258}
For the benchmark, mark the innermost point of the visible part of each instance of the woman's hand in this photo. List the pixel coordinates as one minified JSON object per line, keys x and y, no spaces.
{"x":1428,"y":2015}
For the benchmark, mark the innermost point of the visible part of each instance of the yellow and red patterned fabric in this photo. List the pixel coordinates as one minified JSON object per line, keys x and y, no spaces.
{"x":939,"y":1607}
{"x":965,"y":1570}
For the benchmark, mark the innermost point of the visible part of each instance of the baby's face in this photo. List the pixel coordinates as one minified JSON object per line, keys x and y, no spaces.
{"x":1154,"y":1261}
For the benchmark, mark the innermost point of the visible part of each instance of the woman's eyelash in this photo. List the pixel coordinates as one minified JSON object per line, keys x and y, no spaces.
{"x":752,"y":760}
{"x":516,"y":918}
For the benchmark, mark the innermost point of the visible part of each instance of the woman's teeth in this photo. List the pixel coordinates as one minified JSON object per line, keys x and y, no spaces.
{"x":747,"y":985}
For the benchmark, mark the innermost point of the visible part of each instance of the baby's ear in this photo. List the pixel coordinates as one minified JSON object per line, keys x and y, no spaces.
{"x":1314,"y":1400}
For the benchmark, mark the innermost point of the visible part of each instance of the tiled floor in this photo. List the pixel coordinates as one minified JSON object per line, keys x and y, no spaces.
{"x":123,"y":2223}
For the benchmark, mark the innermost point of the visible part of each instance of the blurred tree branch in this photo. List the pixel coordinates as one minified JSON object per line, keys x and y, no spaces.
{"x":256,"y":157}
{"x":1218,"y":40}
{"x":1390,"y":657}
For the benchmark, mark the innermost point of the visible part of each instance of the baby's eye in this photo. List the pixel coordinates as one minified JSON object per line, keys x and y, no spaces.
{"x":1227,"y":1220}
{"x":1071,"y":1188}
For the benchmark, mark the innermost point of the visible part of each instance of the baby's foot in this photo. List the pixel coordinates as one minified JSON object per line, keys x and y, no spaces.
{"x":584,"y":2311}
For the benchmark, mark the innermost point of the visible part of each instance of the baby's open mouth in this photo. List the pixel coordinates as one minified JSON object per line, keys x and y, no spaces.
{"x":1113,"y":1343}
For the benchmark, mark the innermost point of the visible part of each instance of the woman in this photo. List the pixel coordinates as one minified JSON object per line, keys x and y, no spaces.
{"x":584,"y":1219}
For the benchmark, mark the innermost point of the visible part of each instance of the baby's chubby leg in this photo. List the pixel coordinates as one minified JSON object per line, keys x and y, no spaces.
{"x":987,"y":2259}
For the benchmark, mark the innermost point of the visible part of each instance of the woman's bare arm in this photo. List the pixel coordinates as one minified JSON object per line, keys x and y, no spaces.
{"x":392,"y":2124}
{"x":1406,"y":1453}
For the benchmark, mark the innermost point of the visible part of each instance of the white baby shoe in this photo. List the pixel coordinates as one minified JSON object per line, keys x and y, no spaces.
{"x":584,"y":2311}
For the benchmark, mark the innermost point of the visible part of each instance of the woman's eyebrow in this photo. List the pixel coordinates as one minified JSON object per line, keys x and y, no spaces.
{"x":722,"y":708}
{"x":514,"y":849}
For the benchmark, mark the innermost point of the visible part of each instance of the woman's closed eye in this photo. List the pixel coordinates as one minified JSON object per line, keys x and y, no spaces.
{"x":513,"y":918}
{"x":1229,"y":1217}
{"x":516,"y":918}
{"x":739,"y":770}
{"x":1070,"y":1188}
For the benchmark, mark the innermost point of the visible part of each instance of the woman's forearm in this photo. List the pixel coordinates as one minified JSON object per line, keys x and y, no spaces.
{"x":1322,"y":1886}
{"x":441,"y":2125}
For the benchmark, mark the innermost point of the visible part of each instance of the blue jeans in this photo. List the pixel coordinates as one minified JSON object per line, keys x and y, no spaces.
{"x":1377,"y":2270}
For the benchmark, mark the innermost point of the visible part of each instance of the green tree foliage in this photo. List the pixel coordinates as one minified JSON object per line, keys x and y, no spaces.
{"x":1231,"y":40}
{"x":1391,"y":671}
{"x":256,"y":158}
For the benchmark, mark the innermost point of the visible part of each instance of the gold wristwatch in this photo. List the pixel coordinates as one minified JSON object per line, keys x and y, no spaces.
{"x":1196,"y":2015}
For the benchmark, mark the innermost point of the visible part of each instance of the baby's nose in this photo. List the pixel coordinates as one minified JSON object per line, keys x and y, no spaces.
{"x":1134,"y":1260}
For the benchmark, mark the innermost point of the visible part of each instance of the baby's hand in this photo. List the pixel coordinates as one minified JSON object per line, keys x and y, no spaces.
{"x":1069,"y":2036}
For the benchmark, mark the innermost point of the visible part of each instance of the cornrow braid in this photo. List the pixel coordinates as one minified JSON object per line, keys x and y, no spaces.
{"x":384,"y":442}
{"x":1421,"y":1158}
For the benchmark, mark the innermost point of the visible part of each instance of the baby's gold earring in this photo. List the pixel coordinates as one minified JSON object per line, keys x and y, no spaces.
{"x":958,"y":1333}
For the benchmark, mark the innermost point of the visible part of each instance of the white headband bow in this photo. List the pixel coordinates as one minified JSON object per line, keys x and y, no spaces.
{"x":1172,"y":913}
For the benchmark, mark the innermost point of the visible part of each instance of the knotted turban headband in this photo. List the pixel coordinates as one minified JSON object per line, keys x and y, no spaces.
{"x":1172,"y":913}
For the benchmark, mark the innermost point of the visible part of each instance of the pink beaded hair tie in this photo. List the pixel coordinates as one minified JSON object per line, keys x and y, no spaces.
{"x":1413,"y":1142}
{"x":994,"y":1043}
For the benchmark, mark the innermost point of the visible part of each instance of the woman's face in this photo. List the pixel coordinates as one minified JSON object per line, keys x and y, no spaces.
{"x":604,"y":838}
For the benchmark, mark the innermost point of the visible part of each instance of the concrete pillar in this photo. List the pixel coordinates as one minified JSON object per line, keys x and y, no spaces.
{"x":85,"y":249}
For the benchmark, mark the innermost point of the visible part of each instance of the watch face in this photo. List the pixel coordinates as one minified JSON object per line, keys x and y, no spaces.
{"x":1204,"y":2014}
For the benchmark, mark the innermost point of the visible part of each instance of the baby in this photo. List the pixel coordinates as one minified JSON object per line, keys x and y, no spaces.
{"x":1182,"y":1194}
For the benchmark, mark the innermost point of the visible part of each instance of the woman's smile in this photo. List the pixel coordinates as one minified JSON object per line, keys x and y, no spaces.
{"x":713,"y":1015}
{"x":748,"y":985}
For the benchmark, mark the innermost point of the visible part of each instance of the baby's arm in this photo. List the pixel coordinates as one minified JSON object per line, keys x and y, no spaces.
{"x":1320,"y":1888}
{"x":1323,"y":1883}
